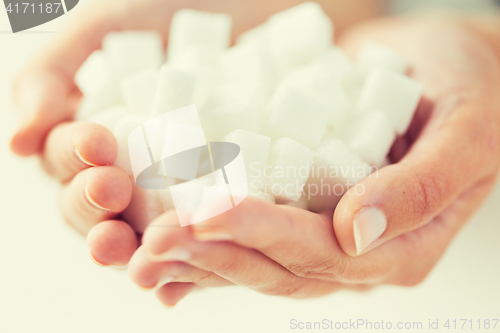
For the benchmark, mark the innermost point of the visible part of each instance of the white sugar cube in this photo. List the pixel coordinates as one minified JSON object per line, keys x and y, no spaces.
{"x":372,"y":55}
{"x":138,"y":90}
{"x":336,"y":169}
{"x":93,"y":73}
{"x":131,"y":51}
{"x":230,"y":107}
{"x":194,"y":57}
{"x":394,"y":94}
{"x":252,"y":63}
{"x":175,"y":90}
{"x":256,"y":34}
{"x":110,"y":117}
{"x":191,"y":27}
{"x":297,"y":115}
{"x":104,"y":96}
{"x":336,"y":59}
{"x":181,"y":126}
{"x":180,"y":138}
{"x":122,"y":130}
{"x":255,"y":150}
{"x":203,"y":63}
{"x":290,"y":163}
{"x":324,"y":82}
{"x":299,"y":34}
{"x":371,"y":137}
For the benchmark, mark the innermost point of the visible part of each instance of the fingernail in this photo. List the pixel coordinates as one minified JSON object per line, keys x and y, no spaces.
{"x":92,"y":201}
{"x":163,"y":281}
{"x":204,"y":234}
{"x":95,"y":261}
{"x":174,"y":254}
{"x":168,"y":306}
{"x":368,"y":225}
{"x":81,"y":158}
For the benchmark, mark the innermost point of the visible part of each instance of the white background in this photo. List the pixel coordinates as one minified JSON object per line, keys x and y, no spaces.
{"x":49,"y":284}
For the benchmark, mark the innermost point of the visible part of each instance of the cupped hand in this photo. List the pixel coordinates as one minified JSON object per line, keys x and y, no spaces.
{"x":79,"y":154}
{"x":396,"y":231}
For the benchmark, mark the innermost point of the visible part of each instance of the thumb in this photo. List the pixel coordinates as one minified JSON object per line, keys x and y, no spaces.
{"x":449,"y":157}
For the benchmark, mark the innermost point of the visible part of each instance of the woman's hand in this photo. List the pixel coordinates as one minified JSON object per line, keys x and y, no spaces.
{"x":445,"y":167}
{"x":79,"y":153}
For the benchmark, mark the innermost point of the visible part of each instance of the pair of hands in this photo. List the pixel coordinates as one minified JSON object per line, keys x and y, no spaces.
{"x":445,"y":166}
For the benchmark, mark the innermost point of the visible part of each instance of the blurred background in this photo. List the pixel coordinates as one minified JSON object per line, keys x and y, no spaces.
{"x":49,"y":284}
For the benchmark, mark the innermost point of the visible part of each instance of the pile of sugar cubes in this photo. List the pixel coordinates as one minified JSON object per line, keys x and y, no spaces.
{"x":310,"y":122}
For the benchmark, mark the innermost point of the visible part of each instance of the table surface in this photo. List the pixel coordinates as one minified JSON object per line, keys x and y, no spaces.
{"x":49,"y":284}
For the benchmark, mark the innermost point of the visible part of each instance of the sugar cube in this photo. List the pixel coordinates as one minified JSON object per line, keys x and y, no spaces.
{"x":255,"y":150}
{"x":372,"y":55}
{"x":252,"y":63}
{"x":289,"y":163}
{"x":336,"y":169}
{"x":93,"y":73}
{"x":256,"y":34}
{"x":297,"y":115}
{"x":335,"y":58}
{"x":131,"y":51}
{"x":194,"y":57}
{"x":299,"y":34}
{"x":122,"y":130}
{"x":191,"y":27}
{"x":230,"y":107}
{"x":108,"y":118}
{"x":392,"y":93}
{"x":104,"y":96}
{"x":324,"y":82}
{"x":138,"y":90}
{"x":175,"y":90}
{"x":371,"y":137}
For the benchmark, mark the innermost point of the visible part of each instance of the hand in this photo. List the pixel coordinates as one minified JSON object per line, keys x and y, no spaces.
{"x":445,"y":167}
{"x":78,"y":153}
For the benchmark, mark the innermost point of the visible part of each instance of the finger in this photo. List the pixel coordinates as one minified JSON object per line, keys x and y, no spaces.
{"x":45,"y":93}
{"x":301,"y":241}
{"x":148,"y":274}
{"x":171,"y":293}
{"x":112,"y":243}
{"x":454,"y":151}
{"x":242,"y":266}
{"x":304,"y":243}
{"x":95,"y":195}
{"x":75,"y":146}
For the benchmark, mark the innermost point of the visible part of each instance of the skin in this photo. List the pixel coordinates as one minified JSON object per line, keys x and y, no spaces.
{"x":446,"y":165}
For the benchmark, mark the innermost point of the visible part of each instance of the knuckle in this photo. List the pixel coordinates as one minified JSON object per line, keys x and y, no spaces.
{"x":292,"y":289}
{"x":328,"y":267}
{"x":426,"y":192}
{"x":229,"y":266}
